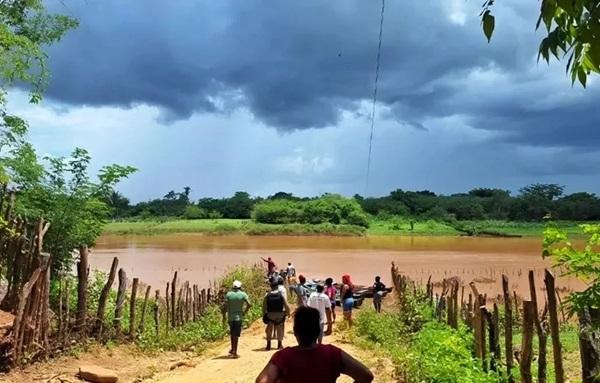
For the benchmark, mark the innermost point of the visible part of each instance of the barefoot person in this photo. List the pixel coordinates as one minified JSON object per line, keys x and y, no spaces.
{"x":347,"y":297}
{"x":309,"y":361}
{"x":275,"y":310}
{"x":331,"y":293}
{"x":237,"y":305}
{"x":378,"y":291}
{"x":318,"y":300}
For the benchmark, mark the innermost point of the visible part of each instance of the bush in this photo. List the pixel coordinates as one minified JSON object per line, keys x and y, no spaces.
{"x":328,"y":209}
{"x":194,"y":212}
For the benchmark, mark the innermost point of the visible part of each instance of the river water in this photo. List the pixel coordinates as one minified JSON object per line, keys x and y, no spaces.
{"x":201,"y":258}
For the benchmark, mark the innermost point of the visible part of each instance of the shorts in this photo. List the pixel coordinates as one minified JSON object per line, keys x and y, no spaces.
{"x":377,"y":296}
{"x":235,"y":328}
{"x":348,"y":304}
{"x":333,"y":304}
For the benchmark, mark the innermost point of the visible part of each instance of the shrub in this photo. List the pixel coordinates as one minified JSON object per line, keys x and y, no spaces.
{"x":194,"y":212}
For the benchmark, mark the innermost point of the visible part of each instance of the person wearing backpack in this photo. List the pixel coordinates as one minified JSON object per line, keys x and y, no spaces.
{"x":275,"y":310}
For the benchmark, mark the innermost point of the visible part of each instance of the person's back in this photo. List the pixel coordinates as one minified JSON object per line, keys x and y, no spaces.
{"x":234,"y":301}
{"x":320,"y":301}
{"x":321,"y":364}
{"x":309,"y":361}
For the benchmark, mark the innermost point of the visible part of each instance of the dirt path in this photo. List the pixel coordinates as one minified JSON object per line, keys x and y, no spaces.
{"x":211,"y":366}
{"x":215,"y":366}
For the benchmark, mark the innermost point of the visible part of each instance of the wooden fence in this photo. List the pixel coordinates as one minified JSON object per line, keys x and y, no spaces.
{"x":35,"y":333}
{"x":482,"y":315}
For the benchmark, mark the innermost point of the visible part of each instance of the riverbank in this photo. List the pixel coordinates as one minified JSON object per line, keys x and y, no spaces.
{"x":393,"y":226}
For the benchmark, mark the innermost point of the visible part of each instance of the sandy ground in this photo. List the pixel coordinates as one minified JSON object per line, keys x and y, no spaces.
{"x":216,"y":366}
{"x":212,"y":366}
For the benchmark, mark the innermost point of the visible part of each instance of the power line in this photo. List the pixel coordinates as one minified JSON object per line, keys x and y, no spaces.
{"x":375,"y":97}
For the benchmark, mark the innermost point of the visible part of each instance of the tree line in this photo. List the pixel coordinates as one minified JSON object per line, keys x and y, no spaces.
{"x":532,"y":203}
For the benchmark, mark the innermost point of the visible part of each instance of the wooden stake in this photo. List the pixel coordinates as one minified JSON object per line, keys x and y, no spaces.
{"x":157,"y":313}
{"x":120,"y":301}
{"x":554,"y":330}
{"x":132,"y":302}
{"x":104,"y":296}
{"x":174,"y":301}
{"x":527,"y":342}
{"x":82,"y":282}
{"x":143,"y":317}
{"x":508,"y":333}
{"x":539,"y":330}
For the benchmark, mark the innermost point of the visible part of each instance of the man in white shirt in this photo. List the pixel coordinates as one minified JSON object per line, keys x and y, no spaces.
{"x":320,"y":301}
{"x":290,"y":272}
{"x":282,"y":288}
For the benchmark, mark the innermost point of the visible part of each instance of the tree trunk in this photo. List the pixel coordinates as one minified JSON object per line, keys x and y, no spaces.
{"x":82,"y":279}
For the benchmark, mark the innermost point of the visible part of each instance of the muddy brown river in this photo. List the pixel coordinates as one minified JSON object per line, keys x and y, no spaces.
{"x":202,"y":258}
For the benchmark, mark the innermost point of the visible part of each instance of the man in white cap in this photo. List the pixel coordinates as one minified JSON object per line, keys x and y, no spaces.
{"x":235,"y":300}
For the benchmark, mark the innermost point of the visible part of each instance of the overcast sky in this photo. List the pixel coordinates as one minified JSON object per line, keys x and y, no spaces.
{"x":267,"y":96}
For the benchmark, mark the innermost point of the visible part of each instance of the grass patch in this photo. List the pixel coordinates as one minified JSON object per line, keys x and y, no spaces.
{"x":229,"y":226}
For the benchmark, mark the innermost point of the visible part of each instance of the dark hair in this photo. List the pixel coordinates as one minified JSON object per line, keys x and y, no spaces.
{"x":307,"y":325}
{"x":320,"y":288}
{"x":273,"y":282}
{"x":329,"y":281}
{"x":302,"y":279}
{"x":279,"y":281}
{"x":378,"y":278}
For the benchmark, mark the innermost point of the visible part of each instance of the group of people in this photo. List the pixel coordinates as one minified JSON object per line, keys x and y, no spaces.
{"x":313,"y":318}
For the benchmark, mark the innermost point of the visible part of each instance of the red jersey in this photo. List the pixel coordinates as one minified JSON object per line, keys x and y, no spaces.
{"x":322,"y":364}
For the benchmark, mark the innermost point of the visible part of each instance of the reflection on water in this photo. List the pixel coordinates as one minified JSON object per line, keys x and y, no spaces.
{"x":201,"y":258}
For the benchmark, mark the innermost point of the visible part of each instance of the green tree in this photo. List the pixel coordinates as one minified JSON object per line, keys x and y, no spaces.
{"x":65,"y":195}
{"x":582,"y":263}
{"x":572,"y":30}
{"x":238,"y":206}
{"x":117,"y":203}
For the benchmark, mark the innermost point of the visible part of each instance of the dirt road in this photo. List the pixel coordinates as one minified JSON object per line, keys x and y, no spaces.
{"x":211,"y":366}
{"x":216,"y":367}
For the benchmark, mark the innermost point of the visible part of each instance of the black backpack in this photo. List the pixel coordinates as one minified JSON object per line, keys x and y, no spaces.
{"x":275,"y":302}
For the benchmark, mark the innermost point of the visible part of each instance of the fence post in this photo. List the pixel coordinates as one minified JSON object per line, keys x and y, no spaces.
{"x":168,"y":308}
{"x":156,"y":312}
{"x":104,"y":296}
{"x":527,"y":342}
{"x":143,"y":317}
{"x":82,"y":282}
{"x":539,"y":330}
{"x":477,"y":322}
{"x":132,"y":302}
{"x":508,"y":323}
{"x":589,"y":344}
{"x":554,"y":330}
{"x":120,"y":300}
{"x":174,"y":301}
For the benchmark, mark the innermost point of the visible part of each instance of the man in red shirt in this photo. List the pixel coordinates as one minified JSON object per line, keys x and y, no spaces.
{"x":270,"y":266}
{"x":309,"y":361}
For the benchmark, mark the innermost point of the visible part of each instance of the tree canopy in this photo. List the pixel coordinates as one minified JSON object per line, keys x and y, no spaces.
{"x":572,"y":31}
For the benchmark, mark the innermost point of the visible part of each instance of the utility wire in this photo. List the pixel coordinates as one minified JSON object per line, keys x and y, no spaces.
{"x":374,"y":97}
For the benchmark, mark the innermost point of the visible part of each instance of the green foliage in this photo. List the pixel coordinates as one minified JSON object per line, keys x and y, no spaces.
{"x":582,"y":263}
{"x":330,"y":208}
{"x":421,"y":348}
{"x":194,"y":212}
{"x":440,"y":354}
{"x":25,"y":28}
{"x":572,"y":29}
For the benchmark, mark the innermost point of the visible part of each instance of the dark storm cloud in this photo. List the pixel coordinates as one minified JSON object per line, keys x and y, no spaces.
{"x":299,"y":64}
